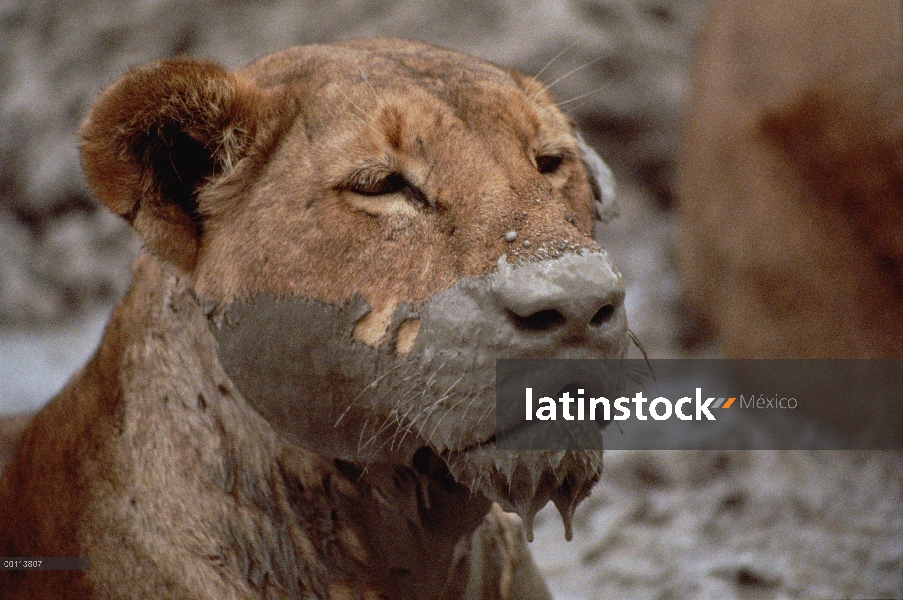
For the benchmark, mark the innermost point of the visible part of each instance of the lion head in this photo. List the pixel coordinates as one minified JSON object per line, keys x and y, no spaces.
{"x":370,"y":225}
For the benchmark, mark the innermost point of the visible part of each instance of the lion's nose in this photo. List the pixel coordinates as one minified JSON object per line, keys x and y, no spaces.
{"x":575,"y":297}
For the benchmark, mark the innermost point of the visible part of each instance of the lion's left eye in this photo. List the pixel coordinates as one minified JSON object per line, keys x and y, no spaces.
{"x":549,"y":163}
{"x":378,"y":187}
{"x":386,"y":185}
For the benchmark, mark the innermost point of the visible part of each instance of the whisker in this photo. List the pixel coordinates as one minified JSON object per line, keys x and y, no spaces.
{"x":410,"y":423}
{"x":386,"y":424}
{"x":429,"y":381}
{"x":360,"y":438}
{"x":458,"y":403}
{"x":380,"y":101}
{"x":367,"y":387}
{"x":400,"y":420}
{"x":445,"y":394}
{"x":376,"y":96}
{"x":581,"y":96}
{"x":448,"y":411}
{"x":556,"y":57}
{"x":638,"y":344}
{"x":407,"y":428}
{"x":362,"y":111}
{"x":391,"y":419}
{"x":566,"y":75}
{"x":486,"y":412}
{"x":472,"y":400}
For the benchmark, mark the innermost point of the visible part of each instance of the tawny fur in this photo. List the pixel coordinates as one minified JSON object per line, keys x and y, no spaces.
{"x":150,"y":462}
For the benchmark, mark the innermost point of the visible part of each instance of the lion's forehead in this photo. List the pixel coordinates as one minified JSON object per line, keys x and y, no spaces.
{"x":381,"y":60}
{"x":372,"y":76}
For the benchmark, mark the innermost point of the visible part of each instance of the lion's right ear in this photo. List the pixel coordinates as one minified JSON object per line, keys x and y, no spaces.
{"x":158,"y":135}
{"x":601,"y":181}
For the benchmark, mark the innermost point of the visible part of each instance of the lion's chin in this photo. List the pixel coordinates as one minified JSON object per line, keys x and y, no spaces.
{"x":524,"y":481}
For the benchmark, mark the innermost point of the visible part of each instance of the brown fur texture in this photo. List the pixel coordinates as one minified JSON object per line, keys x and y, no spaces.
{"x":11,"y":429}
{"x":328,"y":142}
{"x":273,"y":180}
{"x":791,"y":193}
{"x":260,"y":517}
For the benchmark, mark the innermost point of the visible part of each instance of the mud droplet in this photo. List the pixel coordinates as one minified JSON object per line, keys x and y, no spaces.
{"x":564,"y":502}
{"x":567,"y":517}
{"x":510,"y":236}
{"x":423,"y":492}
{"x":527,"y":518}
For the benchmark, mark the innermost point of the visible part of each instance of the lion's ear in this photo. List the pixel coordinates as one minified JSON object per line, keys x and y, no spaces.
{"x":158,"y":135}
{"x":601,"y":180}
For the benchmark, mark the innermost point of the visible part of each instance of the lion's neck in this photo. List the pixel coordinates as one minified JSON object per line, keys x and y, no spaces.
{"x":404,"y":531}
{"x":280,"y":515}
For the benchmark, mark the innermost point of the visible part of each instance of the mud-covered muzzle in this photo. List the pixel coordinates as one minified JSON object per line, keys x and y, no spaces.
{"x":298,"y":364}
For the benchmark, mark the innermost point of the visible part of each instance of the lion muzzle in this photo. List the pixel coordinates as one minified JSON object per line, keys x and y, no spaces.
{"x":297,"y":362}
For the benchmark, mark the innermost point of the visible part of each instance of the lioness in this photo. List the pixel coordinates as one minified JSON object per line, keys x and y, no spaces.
{"x":295,"y":400}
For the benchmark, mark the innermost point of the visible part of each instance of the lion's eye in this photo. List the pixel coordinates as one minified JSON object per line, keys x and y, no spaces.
{"x":385,"y":185}
{"x":549,"y":163}
{"x":392,"y":184}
